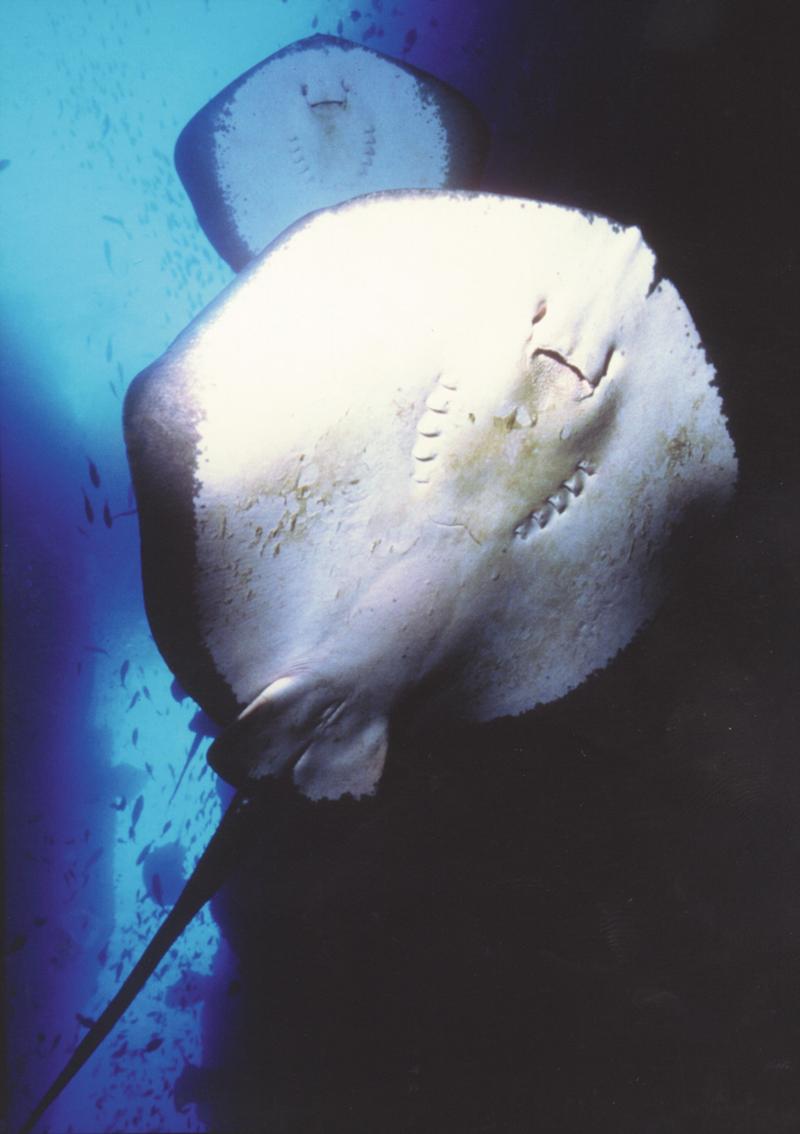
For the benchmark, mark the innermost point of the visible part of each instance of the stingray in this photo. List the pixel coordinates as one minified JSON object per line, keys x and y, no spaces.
{"x":424,"y":458}
{"x":319,"y":122}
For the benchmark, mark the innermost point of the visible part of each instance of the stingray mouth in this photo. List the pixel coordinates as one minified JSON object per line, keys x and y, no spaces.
{"x":322,"y":103}
{"x":315,"y":102}
{"x":557,"y":502}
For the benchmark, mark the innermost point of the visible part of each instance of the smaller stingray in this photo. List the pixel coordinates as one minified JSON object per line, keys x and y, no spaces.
{"x":319,"y":122}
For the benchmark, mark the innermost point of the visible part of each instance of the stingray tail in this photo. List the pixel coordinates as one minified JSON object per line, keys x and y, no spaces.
{"x":236,"y":833}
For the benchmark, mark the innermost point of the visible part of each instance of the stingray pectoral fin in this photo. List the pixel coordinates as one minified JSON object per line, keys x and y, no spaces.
{"x":331,"y":741}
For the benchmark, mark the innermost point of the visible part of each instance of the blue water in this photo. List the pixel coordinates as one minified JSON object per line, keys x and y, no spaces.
{"x":103,"y":264}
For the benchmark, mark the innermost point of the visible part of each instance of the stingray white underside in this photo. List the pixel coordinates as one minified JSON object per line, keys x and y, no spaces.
{"x":303,"y":128}
{"x":444,"y":439}
{"x":319,"y":122}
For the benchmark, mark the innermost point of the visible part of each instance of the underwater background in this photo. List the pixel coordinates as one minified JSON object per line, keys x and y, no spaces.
{"x":587,"y":918}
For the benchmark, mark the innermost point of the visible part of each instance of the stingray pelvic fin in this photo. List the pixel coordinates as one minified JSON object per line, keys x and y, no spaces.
{"x":332,"y":741}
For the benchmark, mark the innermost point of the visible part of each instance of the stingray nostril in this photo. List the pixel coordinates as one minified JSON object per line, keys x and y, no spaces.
{"x":540,"y":313}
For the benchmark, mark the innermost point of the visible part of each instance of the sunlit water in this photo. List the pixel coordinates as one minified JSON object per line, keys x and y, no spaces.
{"x":103,"y":265}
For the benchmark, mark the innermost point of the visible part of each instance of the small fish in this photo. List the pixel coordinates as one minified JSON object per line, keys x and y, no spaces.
{"x":4,"y":163}
{"x":102,"y":956}
{"x":94,"y":475}
{"x":107,"y":519}
{"x":410,"y":40}
{"x":123,"y":1047}
{"x":121,"y":805}
{"x":123,"y":671}
{"x":84,"y":1021}
{"x":155,"y":882}
{"x":135,"y":737}
{"x":166,"y":827}
{"x":113,"y":220}
{"x":143,"y":853}
{"x":87,"y":507}
{"x":146,"y":692}
{"x":93,"y":857}
{"x":137,"y":811}
{"x":107,"y":254}
{"x":134,"y":700}
{"x":153,"y":1045}
{"x":56,"y":1041}
{"x":149,"y":768}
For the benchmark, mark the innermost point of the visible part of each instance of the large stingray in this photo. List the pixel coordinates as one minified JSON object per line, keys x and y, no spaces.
{"x":319,"y":122}
{"x":426,"y":454}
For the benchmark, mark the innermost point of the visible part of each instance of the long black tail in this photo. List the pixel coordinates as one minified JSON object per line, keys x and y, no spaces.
{"x":235,"y":835}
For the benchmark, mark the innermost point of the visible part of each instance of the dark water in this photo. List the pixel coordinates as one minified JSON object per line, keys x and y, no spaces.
{"x":586,"y":919}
